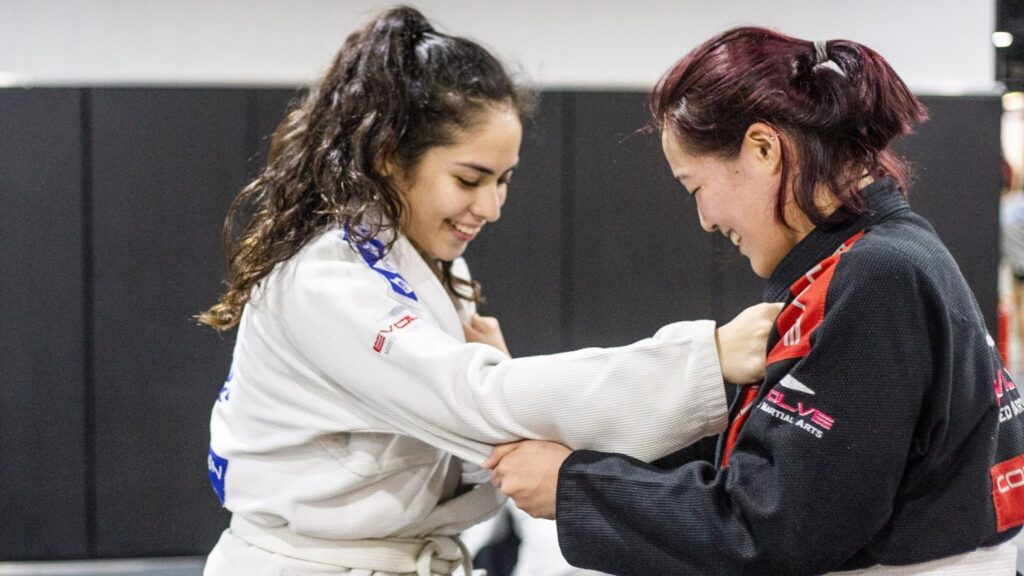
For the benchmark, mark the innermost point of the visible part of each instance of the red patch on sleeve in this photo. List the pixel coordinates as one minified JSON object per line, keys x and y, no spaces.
{"x":1008,"y":492}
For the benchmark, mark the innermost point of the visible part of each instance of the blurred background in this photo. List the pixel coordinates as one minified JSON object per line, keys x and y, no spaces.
{"x":127,"y":126}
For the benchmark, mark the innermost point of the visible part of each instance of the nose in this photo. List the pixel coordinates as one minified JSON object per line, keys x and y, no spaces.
{"x":705,"y":223}
{"x":488,"y":202}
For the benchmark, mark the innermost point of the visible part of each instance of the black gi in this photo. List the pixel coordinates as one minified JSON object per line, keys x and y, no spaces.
{"x":886,"y":431}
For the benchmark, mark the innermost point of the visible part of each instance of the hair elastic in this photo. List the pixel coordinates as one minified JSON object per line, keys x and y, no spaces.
{"x":821,"y":57}
{"x":820,"y":51}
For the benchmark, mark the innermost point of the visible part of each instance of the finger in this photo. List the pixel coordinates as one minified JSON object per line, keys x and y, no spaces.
{"x":498,"y":454}
{"x":506,"y":489}
{"x":471,"y":333}
{"x":500,"y":481}
{"x":485,"y":323}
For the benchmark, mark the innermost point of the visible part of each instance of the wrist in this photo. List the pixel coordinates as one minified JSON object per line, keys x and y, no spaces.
{"x":719,"y":349}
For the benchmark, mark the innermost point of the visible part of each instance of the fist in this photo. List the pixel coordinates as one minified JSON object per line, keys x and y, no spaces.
{"x":485,"y":330}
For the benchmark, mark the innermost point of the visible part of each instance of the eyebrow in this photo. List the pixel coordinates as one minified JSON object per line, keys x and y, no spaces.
{"x":484,"y":169}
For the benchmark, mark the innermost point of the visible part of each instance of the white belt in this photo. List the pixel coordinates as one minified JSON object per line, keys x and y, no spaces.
{"x":428,"y":556}
{"x":998,"y":560}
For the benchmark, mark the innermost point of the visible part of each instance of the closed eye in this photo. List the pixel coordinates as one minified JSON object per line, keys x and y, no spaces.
{"x":467,"y":183}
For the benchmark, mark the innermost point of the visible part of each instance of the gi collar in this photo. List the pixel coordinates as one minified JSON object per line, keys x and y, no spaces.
{"x":883,"y":202}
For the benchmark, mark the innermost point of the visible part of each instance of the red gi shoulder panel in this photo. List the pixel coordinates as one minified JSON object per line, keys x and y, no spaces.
{"x":801,"y":317}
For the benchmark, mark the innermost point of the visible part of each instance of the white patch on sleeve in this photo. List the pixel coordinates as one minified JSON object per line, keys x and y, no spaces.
{"x":793,"y":384}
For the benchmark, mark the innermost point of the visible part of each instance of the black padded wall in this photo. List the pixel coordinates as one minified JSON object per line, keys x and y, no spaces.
{"x":520,"y":259}
{"x":267,"y":109}
{"x":640,"y":258}
{"x":734,"y":284}
{"x":955,"y":157}
{"x":43,"y":426}
{"x":167,"y":163}
{"x":112,"y":203}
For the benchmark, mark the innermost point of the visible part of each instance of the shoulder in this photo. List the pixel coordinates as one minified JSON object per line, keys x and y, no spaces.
{"x":901,"y":260}
{"x":326,"y":264}
{"x":329,"y":250}
{"x":907,"y":242}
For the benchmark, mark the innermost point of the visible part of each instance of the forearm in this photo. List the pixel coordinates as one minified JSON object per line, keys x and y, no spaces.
{"x":620,"y":516}
{"x":647,"y":400}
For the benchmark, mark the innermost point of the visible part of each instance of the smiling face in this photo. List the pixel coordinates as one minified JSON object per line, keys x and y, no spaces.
{"x":736,"y":196}
{"x":453,"y":190}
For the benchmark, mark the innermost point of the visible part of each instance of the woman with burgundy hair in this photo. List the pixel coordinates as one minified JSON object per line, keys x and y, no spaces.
{"x":887,"y":436}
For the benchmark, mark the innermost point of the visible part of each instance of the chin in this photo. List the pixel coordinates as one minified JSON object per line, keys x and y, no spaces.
{"x":449,"y":255}
{"x":761,"y":270}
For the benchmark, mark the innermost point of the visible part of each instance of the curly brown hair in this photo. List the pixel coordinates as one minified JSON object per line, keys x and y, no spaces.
{"x":396,"y":88}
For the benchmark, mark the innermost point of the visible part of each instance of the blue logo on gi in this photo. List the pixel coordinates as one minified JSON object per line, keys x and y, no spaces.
{"x":372,"y":252}
{"x":225,"y":393}
{"x":218,"y":469}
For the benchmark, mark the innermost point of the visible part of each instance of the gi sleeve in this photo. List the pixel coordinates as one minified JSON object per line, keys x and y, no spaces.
{"x":646,"y":399}
{"x":814,"y":471}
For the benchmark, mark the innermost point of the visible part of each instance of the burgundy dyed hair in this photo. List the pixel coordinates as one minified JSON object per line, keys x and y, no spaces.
{"x":836,"y":121}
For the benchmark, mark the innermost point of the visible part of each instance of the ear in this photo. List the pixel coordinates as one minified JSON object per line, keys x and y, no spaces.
{"x":387,"y":167}
{"x":763,"y":144}
{"x":394,"y":173}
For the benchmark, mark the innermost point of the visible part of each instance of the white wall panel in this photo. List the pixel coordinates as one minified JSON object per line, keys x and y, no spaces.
{"x":938,"y":46}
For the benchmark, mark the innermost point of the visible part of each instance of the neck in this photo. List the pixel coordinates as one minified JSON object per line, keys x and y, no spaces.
{"x":827,"y":203}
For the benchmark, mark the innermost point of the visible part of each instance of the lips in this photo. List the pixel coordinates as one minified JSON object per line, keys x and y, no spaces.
{"x":462,"y":231}
{"x":733,"y":237}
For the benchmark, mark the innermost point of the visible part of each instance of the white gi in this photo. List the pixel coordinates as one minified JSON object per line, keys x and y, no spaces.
{"x":355,"y":410}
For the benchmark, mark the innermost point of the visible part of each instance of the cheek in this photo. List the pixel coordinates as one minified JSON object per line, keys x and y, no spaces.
{"x":415,"y":210}
{"x":430,"y":204}
{"x":774,"y":245}
{"x":422,"y":214}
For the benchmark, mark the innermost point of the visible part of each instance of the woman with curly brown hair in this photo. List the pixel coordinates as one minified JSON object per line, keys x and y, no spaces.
{"x":347,"y":437}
